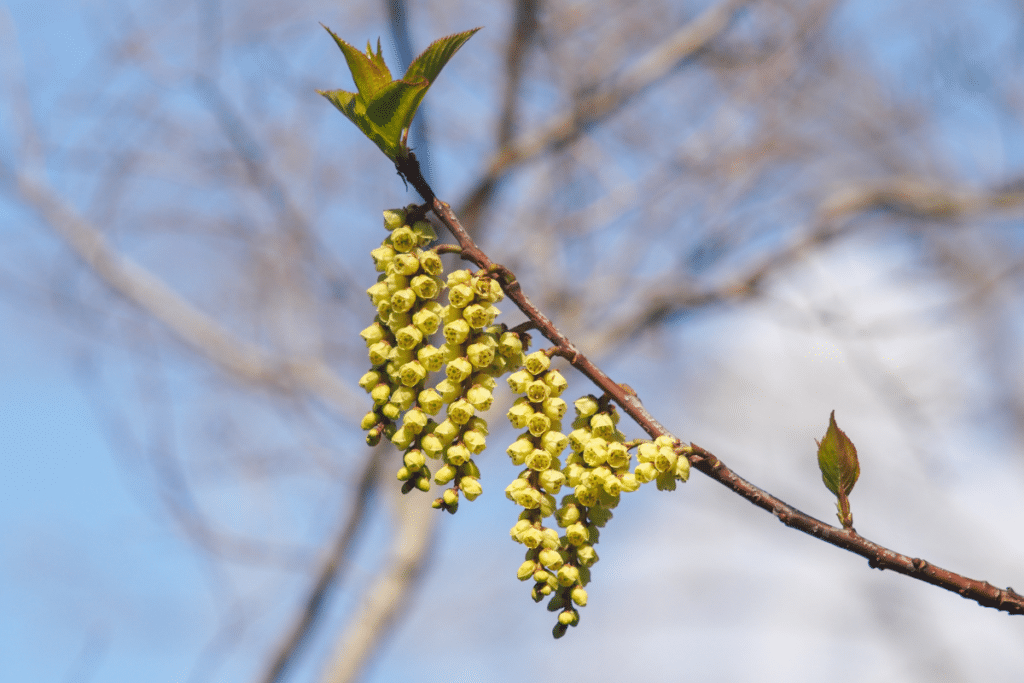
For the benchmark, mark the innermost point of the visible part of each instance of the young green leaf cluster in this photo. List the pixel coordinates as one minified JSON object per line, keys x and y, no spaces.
{"x":598,"y":470}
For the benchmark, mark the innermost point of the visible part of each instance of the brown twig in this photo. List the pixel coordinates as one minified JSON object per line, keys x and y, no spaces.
{"x":879,"y":557}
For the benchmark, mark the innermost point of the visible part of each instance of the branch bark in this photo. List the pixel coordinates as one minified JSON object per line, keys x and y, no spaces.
{"x":878,"y":556}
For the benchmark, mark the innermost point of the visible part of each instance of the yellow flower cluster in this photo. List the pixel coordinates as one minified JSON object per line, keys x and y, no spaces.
{"x":598,"y":470}
{"x":474,"y":352}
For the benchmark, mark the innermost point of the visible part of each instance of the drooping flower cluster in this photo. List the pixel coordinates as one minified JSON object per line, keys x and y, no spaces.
{"x":401,"y":356}
{"x":598,"y":470}
{"x":474,"y":352}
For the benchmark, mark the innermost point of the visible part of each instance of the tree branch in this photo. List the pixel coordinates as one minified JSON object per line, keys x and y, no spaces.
{"x":982,"y":592}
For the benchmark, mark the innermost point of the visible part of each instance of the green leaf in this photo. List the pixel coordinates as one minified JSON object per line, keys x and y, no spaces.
{"x":393,"y":108}
{"x":354,"y":108}
{"x":383,"y":108}
{"x":837,"y":458}
{"x":430,"y":62}
{"x":369,"y":71}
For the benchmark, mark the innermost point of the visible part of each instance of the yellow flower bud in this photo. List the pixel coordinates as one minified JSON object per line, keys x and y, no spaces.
{"x":480,"y":355}
{"x":373,"y":334}
{"x":430,"y":401}
{"x":412,"y":373}
{"x":665,"y":461}
{"x":601,"y":425}
{"x":431,"y":445}
{"x":555,"y":381}
{"x":586,"y":554}
{"x":403,"y":474}
{"x":568,"y":575}
{"x":579,"y":596}
{"x":458,"y":370}
{"x":538,"y":424}
{"x":554,"y":442}
{"x":551,"y":559}
{"x":456,"y":331}
{"x":538,"y":460}
{"x":630,"y":482}
{"x":567,"y":515}
{"x":511,"y":345}
{"x":618,"y":455}
{"x":479,"y":316}
{"x":646,"y":472}
{"x":403,"y":300}
{"x":414,"y":421}
{"x":537,"y":362}
{"x":382,"y":256}
{"x":683,"y":468}
{"x":369,"y":420}
{"x":520,"y":449}
{"x":403,"y":239}
{"x":470,"y":487}
{"x":526,"y":570}
{"x":474,"y":441}
{"x":379,"y":293}
{"x":554,"y":408}
{"x":531,"y":538}
{"x":404,"y":264}
{"x":460,"y":411}
{"x":578,"y":439}
{"x":515,"y":487}
{"x":431,"y":264}
{"x":423,"y":483}
{"x":460,"y":296}
{"x":586,"y":406}
{"x":457,"y":454}
{"x":568,"y":618}
{"x":447,"y":431}
{"x":414,"y":460}
{"x":370,"y":380}
{"x":425,"y":286}
{"x":380,"y":394}
{"x":449,"y":390}
{"x":519,"y":380}
{"x":379,"y":353}
{"x":394,"y":218}
{"x":520,"y":413}
{"x":445,"y":474}
{"x":480,"y":397}
{"x":552,"y":481}
{"x":537,"y":391}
